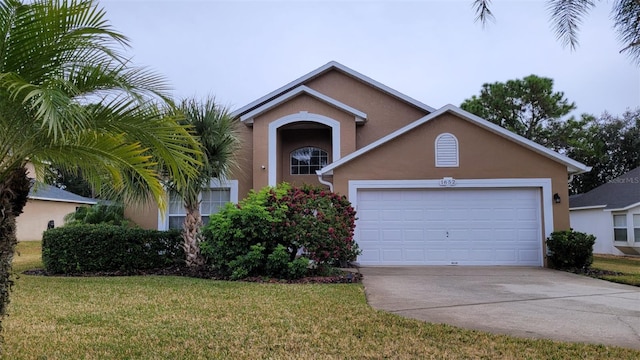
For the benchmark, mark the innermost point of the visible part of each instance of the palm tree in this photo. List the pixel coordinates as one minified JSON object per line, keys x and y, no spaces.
{"x":68,"y":99}
{"x":567,"y":15}
{"x":216,"y":130}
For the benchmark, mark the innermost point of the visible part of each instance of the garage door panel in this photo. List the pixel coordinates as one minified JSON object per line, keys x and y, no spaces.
{"x":461,"y":226}
{"x":392,"y":255}
{"x":528,"y":255}
{"x":391,"y":235}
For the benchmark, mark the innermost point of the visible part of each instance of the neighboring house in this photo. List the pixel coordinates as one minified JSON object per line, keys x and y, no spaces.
{"x":47,"y":203}
{"x":611,"y":212}
{"x":430,"y":186}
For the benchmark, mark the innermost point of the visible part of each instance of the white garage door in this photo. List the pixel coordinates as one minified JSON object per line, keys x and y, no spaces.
{"x":449,"y":227}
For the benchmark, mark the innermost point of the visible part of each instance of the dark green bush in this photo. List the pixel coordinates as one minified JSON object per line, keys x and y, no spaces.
{"x":98,"y":214}
{"x":284,"y":220}
{"x":93,"y":248}
{"x":570,"y":249}
{"x":249,"y":263}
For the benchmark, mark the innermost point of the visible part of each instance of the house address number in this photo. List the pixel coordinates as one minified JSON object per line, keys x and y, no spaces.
{"x":447,"y":181}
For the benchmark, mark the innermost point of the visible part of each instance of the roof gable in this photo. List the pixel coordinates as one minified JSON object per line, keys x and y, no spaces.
{"x":247,"y":119}
{"x":620,"y":193}
{"x":573,"y":167}
{"x":330,"y":66}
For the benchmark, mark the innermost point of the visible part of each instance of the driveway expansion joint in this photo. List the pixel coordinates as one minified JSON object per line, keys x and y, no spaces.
{"x":509,"y":301}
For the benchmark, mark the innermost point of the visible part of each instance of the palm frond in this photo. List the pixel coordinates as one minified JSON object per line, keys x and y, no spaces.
{"x":566,"y":18}
{"x":483,"y":12}
{"x":626,"y":17}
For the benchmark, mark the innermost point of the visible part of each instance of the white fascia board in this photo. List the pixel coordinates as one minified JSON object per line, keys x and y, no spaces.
{"x":327,"y":170}
{"x":360,"y":117}
{"x":326,"y":67}
{"x":624,"y":208}
{"x":89,"y":202}
{"x":592,"y":207}
{"x":383,"y":87}
{"x":573,"y":166}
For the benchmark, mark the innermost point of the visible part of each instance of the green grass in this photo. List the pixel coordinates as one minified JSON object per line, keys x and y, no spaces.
{"x":628,"y":266}
{"x":155,"y":317}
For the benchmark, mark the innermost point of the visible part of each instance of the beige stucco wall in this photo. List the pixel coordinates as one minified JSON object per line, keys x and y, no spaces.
{"x":482,"y":155}
{"x":295,"y":106}
{"x":385,"y":113}
{"x":144,"y":215}
{"x":37,"y":213}
{"x":244,"y":171}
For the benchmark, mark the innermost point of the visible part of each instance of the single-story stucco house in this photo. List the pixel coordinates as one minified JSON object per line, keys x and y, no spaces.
{"x":430,"y":186}
{"x":611,"y":212}
{"x":46,"y":203}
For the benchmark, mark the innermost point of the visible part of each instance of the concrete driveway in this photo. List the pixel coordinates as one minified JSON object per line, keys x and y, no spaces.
{"x":520,"y":301}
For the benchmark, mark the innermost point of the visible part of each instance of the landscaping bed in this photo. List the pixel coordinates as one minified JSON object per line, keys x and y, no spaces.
{"x":337,"y":276}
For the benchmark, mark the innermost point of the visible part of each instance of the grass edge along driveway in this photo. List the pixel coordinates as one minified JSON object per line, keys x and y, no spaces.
{"x":157,"y":317}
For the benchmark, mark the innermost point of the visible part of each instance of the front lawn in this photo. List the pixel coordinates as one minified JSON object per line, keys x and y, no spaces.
{"x":154,"y":317}
{"x":628,"y":266}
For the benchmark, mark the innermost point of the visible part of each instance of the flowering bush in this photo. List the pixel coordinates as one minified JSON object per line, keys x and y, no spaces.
{"x":287,"y":222}
{"x":318,"y":221}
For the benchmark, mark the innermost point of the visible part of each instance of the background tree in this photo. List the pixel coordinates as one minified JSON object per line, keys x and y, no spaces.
{"x":217,"y":134}
{"x":611,"y":145}
{"x":528,"y":107}
{"x":567,"y":15}
{"x":71,"y":181}
{"x":68,"y":99}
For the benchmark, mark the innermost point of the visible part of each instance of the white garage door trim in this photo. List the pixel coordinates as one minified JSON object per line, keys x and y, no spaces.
{"x":543,"y":184}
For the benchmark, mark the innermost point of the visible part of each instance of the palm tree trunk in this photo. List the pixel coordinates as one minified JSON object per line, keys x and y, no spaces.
{"x":192,"y":236}
{"x":14,"y":190}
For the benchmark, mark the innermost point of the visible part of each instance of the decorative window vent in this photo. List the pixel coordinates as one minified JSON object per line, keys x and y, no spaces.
{"x":446,"y":150}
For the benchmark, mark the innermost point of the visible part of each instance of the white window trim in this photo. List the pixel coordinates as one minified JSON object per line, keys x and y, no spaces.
{"x":232,"y":185}
{"x":543,"y":184}
{"x":630,"y":227}
{"x":301,"y":116}
{"x":633,"y":229}
{"x":614,"y":227}
{"x":437,"y":152}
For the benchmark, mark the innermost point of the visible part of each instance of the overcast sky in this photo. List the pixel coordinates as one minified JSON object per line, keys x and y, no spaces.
{"x":432,"y":51}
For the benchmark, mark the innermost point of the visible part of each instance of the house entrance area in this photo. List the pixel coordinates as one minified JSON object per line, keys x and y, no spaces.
{"x":304,"y":148}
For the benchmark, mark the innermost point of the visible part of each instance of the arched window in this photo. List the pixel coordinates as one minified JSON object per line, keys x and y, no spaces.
{"x":307,"y":160}
{"x":446,"y":150}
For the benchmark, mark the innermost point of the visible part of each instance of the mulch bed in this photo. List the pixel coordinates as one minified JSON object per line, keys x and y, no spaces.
{"x":596,"y":273}
{"x":342,"y":277}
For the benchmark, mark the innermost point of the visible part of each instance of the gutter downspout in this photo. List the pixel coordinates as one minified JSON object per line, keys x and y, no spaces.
{"x":324,"y":182}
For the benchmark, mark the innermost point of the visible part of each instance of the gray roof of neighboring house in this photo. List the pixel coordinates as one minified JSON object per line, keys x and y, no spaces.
{"x":41,"y":191}
{"x":618,"y":194}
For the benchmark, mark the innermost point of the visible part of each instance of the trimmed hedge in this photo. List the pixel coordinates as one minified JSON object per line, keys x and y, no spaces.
{"x":95,"y":248}
{"x":570,"y":249}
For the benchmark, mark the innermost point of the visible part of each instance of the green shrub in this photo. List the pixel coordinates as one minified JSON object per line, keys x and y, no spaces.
{"x":298,"y":268}
{"x":98,"y":214}
{"x":570,"y":249}
{"x":249,"y":263}
{"x":283,"y":220}
{"x":93,"y":248}
{"x":278,"y":262}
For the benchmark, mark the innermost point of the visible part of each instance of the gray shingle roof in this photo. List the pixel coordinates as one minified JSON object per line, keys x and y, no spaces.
{"x":619,"y":193}
{"x":41,"y":191}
